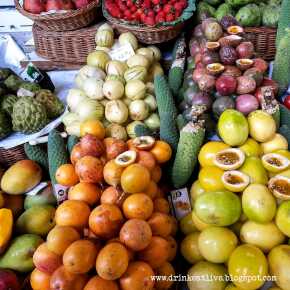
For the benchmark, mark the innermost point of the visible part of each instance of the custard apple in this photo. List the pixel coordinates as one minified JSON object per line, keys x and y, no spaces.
{"x":8,"y":103}
{"x":32,"y":87}
{"x":29,"y":115}
{"x":5,"y":125}
{"x":13,"y":82}
{"x":5,"y":73}
{"x":54,"y":107}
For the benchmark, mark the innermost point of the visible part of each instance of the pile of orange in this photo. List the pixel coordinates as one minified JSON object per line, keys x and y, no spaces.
{"x":114,"y":231}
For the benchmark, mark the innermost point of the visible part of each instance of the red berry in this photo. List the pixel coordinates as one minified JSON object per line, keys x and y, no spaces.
{"x":169,"y":17}
{"x":168,"y":8}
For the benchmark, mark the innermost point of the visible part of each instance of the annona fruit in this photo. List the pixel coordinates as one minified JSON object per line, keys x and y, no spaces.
{"x":283,"y":218}
{"x":32,"y":87}
{"x":54,"y":107}
{"x":13,"y":82}
{"x":29,"y":115}
{"x":233,"y":127}
{"x":221,"y":208}
{"x":5,"y":73}
{"x":5,"y":125}
{"x":8,"y":103}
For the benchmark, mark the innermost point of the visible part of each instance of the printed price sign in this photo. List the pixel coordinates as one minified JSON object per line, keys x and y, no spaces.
{"x":122,"y":53}
{"x":180,"y":203}
{"x":60,"y":192}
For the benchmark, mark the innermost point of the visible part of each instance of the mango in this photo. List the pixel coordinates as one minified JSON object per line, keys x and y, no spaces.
{"x":6,"y":226}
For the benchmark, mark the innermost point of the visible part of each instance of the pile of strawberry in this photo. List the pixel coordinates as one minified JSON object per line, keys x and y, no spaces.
{"x":148,"y":12}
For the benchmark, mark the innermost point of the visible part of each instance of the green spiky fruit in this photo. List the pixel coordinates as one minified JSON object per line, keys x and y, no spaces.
{"x":5,"y":73}
{"x":32,"y":87}
{"x":29,"y":115}
{"x":283,"y":22}
{"x":5,"y":125}
{"x":8,"y":103}
{"x":13,"y":83}
{"x":54,"y":107}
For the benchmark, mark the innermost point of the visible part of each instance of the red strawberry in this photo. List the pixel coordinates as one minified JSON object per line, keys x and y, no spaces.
{"x":156,"y":2}
{"x":143,"y":17}
{"x":150,"y":13}
{"x":133,"y":9}
{"x":129,"y":3}
{"x":147,"y":4}
{"x":169,"y":17}
{"x":157,"y":8}
{"x":178,"y":6}
{"x":159,"y":18}
{"x":149,"y":21}
{"x":168,"y":8}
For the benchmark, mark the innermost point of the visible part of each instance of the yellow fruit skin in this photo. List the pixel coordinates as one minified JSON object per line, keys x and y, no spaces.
{"x":251,"y":148}
{"x":6,"y":225}
{"x":278,"y":142}
{"x":198,"y":223}
{"x":189,"y":248}
{"x":285,"y":173}
{"x":284,"y":153}
{"x":208,"y":151}
{"x":196,"y":190}
{"x":210,"y":178}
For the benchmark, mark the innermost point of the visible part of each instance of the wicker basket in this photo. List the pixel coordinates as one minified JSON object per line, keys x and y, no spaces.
{"x":9,"y":156}
{"x":71,"y":20}
{"x":263,"y":39}
{"x":66,"y":46}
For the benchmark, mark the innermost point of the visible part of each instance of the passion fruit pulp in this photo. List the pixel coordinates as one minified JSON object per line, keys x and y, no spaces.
{"x":235,"y":180}
{"x":144,"y":142}
{"x":229,"y":159}
{"x":235,"y":29}
{"x":212,"y":45}
{"x":215,"y":68}
{"x":280,"y":187}
{"x":244,"y":63}
{"x":126,"y":158}
{"x":274,"y":162}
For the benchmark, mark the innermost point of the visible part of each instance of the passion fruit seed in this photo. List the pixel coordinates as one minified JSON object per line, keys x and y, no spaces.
{"x":229,"y":159}
{"x":274,"y":162}
{"x":235,"y":29}
{"x":144,"y":142}
{"x":244,"y":63}
{"x":215,"y":68}
{"x":280,"y":187}
{"x":235,"y":180}
{"x":126,"y":158}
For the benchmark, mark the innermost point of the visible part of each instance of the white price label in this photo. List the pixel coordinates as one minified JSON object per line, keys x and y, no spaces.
{"x":122,"y":53}
{"x":180,"y":202}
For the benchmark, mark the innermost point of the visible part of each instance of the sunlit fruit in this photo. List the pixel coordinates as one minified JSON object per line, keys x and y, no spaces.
{"x":264,"y":236}
{"x":161,"y":205}
{"x":80,"y":256}
{"x":248,"y":261}
{"x":161,"y":151}
{"x":280,"y":187}
{"x":112,"y":261}
{"x":229,"y":159}
{"x":87,"y":192}
{"x":274,"y":162}
{"x":144,"y":142}
{"x":186,"y":225}
{"x":235,"y":181}
{"x":98,"y":283}
{"x":72,"y":213}
{"x":136,"y":234}
{"x":251,"y":148}
{"x":189,"y":248}
{"x":93,"y":127}
{"x":210,"y":178}
{"x":106,"y":220}
{"x":135,"y":178}
{"x":126,"y":158}
{"x":66,"y":175}
{"x":39,"y":280}
{"x":283,"y":218}
{"x":208,"y":151}
{"x":196,"y":190}
{"x":166,"y":270}
{"x":216,"y":244}
{"x":277,"y":142}
{"x":285,"y":153}
{"x":112,"y":173}
{"x":258,"y":203}
{"x":161,"y":224}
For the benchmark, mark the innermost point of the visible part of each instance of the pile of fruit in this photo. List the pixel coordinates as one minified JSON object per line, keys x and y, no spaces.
{"x":119,"y":93}
{"x":247,"y":12}
{"x":25,"y":107}
{"x":39,"y":6}
{"x":148,"y":12}
{"x":240,"y":205}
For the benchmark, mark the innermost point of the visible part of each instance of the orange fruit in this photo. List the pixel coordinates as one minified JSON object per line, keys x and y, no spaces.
{"x":138,"y":277}
{"x":60,"y":237}
{"x":98,"y":283}
{"x":87,"y":192}
{"x":161,"y":205}
{"x":174,"y":225}
{"x":146,"y":159}
{"x":112,"y":173}
{"x":156,"y":173}
{"x":72,"y":213}
{"x":113,"y":195}
{"x":106,"y":220}
{"x":66,"y":175}
{"x":164,"y":270}
{"x":157,"y":252}
{"x":131,"y":145}
{"x":161,"y":224}
{"x":161,"y":151}
{"x":172,"y":248}
{"x":76,"y":153}
{"x":80,"y":257}
{"x":135,"y":178}
{"x":151,"y":190}
{"x":39,"y":280}
{"x":93,"y":127}
{"x":114,"y":147}
{"x":138,"y":206}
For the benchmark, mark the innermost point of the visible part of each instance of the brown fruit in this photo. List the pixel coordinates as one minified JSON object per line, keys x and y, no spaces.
{"x":60,"y":237}
{"x":72,"y":213}
{"x":87,"y":192}
{"x":112,"y":261}
{"x":161,"y":224}
{"x":136,"y":234}
{"x":113,"y":195}
{"x":165,"y":270}
{"x":76,"y":154}
{"x":138,"y":277}
{"x":172,"y":248}
{"x":39,"y":280}
{"x":112,"y":173}
{"x":114,"y":147}
{"x":156,"y":253}
{"x":89,"y":169}
{"x":80,"y":256}
{"x":98,"y":283}
{"x":228,"y":55}
{"x":92,"y":146}
{"x":106,"y":220}
{"x":45,"y":260}
{"x":146,"y":159}
{"x":138,"y":206}
{"x":161,"y":205}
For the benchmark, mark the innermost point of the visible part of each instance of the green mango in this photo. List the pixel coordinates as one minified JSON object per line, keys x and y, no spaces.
{"x":18,"y":256}
{"x":249,"y":15}
{"x":45,"y":197}
{"x":37,"y":220}
{"x":223,"y":10}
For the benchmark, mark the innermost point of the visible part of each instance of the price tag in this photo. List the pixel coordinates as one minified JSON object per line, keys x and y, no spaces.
{"x":180,"y":203}
{"x":122,"y":52}
{"x":60,"y":192}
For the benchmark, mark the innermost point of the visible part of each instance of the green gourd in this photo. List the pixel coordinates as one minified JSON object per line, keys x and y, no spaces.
{"x":71,"y":142}
{"x":37,"y":154}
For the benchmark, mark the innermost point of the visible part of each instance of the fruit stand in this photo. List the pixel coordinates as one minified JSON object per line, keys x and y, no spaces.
{"x":162,"y":162}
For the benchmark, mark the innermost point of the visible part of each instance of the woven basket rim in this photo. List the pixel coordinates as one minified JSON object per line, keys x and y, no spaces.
{"x":261,"y":29}
{"x":56,"y":16}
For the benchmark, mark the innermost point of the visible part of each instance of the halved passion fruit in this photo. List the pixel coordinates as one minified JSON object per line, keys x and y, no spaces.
{"x":212,"y":45}
{"x":229,"y":159}
{"x":126,"y":158}
{"x":144,"y":142}
{"x":215,"y":68}
{"x":280,"y":187}
{"x":235,"y":29}
{"x":274,"y":162}
{"x":230,"y":40}
{"x":235,"y":181}
{"x":244,"y":63}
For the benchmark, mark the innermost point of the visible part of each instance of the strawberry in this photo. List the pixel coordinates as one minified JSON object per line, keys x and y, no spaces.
{"x":129,"y":3}
{"x":169,"y":17}
{"x":123,"y":7}
{"x":157,"y":8}
{"x":143,"y":17}
{"x":156,"y":2}
{"x":147,"y":4}
{"x":159,"y":18}
{"x":178,"y":6}
{"x":150,"y":13}
{"x":133,"y":9}
{"x":168,"y":8}
{"x":149,"y":21}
